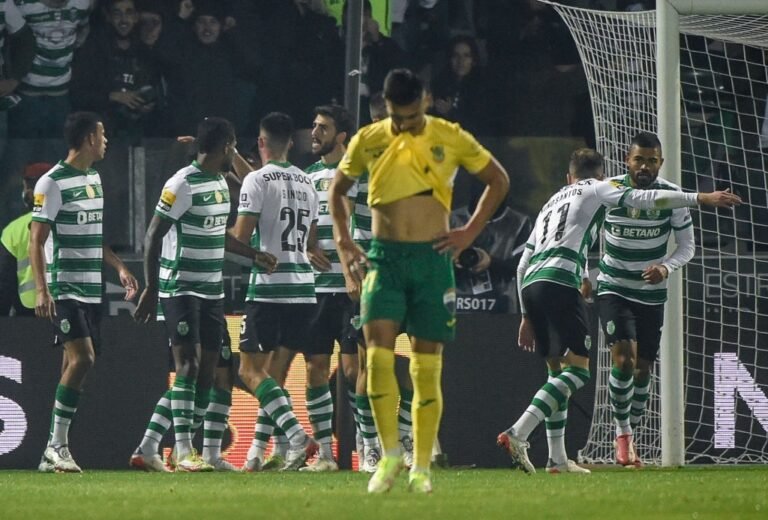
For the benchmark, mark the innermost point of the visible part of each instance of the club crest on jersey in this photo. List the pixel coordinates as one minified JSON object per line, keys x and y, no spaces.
{"x":324,"y":185}
{"x":438,"y":153}
{"x":634,"y":213}
{"x":218,"y":196}
{"x":653,"y":213}
{"x":90,"y":191}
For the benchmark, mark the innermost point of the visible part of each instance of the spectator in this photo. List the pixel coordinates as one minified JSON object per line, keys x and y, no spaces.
{"x":460,"y":92}
{"x":17,"y":287}
{"x":200,"y":71}
{"x":59,"y":26}
{"x":115,"y":76}
{"x":22,"y":50}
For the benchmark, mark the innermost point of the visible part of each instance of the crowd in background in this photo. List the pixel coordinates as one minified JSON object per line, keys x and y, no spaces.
{"x":153,"y":68}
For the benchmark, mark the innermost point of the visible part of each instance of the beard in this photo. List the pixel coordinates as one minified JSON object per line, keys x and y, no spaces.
{"x":644,"y":179}
{"x":325,"y":149}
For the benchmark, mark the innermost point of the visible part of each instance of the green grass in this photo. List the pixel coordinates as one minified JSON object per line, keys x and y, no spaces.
{"x":692,"y":493}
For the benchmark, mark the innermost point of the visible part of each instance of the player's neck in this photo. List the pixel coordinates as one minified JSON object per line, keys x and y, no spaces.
{"x":210,"y":164}
{"x":79,"y":160}
{"x":334,"y":156}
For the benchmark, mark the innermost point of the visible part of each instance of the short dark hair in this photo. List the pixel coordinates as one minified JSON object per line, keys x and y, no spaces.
{"x":78,"y":126}
{"x":402,"y":87}
{"x":470,"y":42}
{"x":279,"y":128}
{"x":214,"y":133}
{"x":340,"y":115}
{"x":646,"y":140}
{"x":585,"y":163}
{"x":377,"y":106}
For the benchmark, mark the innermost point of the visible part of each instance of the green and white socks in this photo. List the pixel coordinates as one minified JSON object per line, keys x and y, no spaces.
{"x":320,"y":411}
{"x":555,"y":425}
{"x":621,"y":389}
{"x":215,"y":423}
{"x":64,"y":409}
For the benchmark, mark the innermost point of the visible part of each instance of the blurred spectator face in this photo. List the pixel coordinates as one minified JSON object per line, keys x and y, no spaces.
{"x":123,"y":17}
{"x":323,"y":135}
{"x":462,"y":60}
{"x":150,"y":28}
{"x":207,"y":29}
{"x":186,"y":7}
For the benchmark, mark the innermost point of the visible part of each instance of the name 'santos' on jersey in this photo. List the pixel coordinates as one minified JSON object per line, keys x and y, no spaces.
{"x":568,"y":224}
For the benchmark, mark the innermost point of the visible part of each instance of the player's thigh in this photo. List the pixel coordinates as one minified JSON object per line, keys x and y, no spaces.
{"x":182,"y":320}
{"x":617,"y":318}
{"x":431,"y":301}
{"x":571,"y":323}
{"x":383,"y":296}
{"x":260,"y":328}
{"x":294,"y":332}
{"x":212,"y":325}
{"x":650,"y":319}
{"x":76,"y":320}
{"x":537,"y":313}
{"x":326,"y":324}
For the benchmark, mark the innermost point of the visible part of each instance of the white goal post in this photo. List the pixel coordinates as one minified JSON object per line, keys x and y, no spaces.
{"x":708,"y":111}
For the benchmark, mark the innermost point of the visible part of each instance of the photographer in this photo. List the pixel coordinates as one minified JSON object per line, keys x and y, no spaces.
{"x":485,"y":272}
{"x":114,"y":75}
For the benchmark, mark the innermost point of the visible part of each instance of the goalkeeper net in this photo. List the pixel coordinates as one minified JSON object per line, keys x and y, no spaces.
{"x":724,"y":144}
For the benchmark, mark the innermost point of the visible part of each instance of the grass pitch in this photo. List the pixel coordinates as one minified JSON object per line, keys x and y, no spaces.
{"x":691,"y":493}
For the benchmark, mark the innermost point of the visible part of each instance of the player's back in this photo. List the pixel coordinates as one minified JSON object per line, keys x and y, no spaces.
{"x":565,"y":229}
{"x":286,"y":202}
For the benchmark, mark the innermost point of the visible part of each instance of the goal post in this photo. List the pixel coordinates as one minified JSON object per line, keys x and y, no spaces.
{"x":707,"y":110}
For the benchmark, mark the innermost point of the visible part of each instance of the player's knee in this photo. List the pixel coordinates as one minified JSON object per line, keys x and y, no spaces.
{"x":350,"y":373}
{"x":82,"y":361}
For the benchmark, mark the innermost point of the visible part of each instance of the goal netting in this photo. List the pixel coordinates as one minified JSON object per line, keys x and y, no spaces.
{"x":724,"y":144}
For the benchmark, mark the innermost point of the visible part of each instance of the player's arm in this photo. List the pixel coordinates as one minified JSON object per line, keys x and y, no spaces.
{"x":240,"y":247}
{"x":525,"y":337}
{"x":317,"y":256}
{"x":127,"y":280}
{"x":496,"y":181}
{"x":146,"y":309}
{"x":684,"y":251}
{"x":613,"y":193}
{"x":352,"y":257}
{"x":38,"y":234}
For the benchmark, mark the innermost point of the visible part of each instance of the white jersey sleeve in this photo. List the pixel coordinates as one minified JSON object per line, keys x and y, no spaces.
{"x":175,"y":199}
{"x":13,"y":19}
{"x":613,"y":193}
{"x":251,"y":195}
{"x":46,"y":200}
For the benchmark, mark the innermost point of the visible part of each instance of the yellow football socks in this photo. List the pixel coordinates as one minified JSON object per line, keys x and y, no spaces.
{"x":427,"y":409}
{"x":384,"y":395}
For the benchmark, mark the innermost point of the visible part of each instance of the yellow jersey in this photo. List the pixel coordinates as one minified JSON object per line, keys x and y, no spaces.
{"x":402,"y":165}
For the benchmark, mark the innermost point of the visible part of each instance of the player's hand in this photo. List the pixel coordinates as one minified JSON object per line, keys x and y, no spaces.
{"x":586,"y":289}
{"x":146,"y":309}
{"x":354,"y":263}
{"x":129,"y":98}
{"x":443,"y":105}
{"x":318,"y":259}
{"x":525,"y":337}
{"x":45,"y":307}
{"x":7,"y":86}
{"x":129,"y":283}
{"x":265,"y":260}
{"x":719,"y":199}
{"x":454,"y":242}
{"x":655,"y":274}
{"x":353,"y":288}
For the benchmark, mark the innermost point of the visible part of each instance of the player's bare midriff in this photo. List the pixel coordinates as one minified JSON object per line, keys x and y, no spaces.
{"x":419,"y":218}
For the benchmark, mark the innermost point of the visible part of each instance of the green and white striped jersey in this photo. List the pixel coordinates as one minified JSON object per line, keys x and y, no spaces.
{"x":10,"y":19}
{"x":636,"y":239}
{"x":284,"y":199}
{"x":361,"y":218}
{"x":192,"y":258}
{"x":56,"y":33}
{"x":71,"y":201}
{"x":322,"y":175}
{"x":568,"y":224}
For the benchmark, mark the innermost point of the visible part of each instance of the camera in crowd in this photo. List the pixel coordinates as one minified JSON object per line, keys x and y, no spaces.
{"x":469,"y":258}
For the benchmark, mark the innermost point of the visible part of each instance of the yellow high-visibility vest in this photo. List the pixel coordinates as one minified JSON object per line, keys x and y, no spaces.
{"x":15,"y":238}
